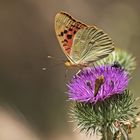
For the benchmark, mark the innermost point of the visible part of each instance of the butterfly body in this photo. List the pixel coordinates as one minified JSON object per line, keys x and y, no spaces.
{"x":82,"y":44}
{"x":69,"y":64}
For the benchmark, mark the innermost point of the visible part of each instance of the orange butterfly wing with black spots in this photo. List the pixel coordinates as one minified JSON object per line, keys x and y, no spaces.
{"x":66,"y":28}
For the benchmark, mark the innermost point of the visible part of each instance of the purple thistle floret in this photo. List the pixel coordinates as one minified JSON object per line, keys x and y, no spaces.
{"x":82,"y":86}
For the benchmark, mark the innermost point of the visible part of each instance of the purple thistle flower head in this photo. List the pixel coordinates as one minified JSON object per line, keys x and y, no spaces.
{"x":96,"y":84}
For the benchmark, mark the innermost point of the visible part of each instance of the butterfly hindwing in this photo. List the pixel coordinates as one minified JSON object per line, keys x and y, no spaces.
{"x":90,"y":44}
{"x":66,"y":27}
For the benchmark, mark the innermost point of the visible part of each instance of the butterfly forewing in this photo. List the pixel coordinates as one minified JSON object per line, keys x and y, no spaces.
{"x":90,"y":44}
{"x":66,"y":27}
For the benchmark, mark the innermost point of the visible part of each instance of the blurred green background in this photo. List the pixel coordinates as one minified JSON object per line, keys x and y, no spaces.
{"x":27,"y":37}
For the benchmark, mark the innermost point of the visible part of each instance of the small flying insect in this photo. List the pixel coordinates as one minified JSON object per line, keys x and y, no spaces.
{"x":117,"y":65}
{"x":98,"y":83}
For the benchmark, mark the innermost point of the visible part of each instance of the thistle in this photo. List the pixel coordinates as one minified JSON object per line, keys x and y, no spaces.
{"x":86,"y":87}
{"x":102,"y":102}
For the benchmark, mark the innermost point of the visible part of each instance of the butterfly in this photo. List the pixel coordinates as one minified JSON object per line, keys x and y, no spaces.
{"x":82,"y":44}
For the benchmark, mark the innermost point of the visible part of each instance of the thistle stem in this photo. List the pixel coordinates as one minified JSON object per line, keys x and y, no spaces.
{"x":125,"y":135}
{"x":106,"y":133}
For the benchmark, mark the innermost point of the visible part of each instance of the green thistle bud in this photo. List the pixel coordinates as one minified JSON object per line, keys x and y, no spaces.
{"x":125,"y":59}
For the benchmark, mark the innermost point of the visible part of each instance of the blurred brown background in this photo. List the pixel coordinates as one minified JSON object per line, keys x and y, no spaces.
{"x":27,"y":36}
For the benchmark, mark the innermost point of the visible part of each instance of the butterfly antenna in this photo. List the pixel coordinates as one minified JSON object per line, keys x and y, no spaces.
{"x":47,"y":68}
{"x":53,"y":58}
{"x":50,"y":57}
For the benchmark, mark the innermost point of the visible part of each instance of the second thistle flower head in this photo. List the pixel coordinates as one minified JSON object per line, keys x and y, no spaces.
{"x":96,"y":84}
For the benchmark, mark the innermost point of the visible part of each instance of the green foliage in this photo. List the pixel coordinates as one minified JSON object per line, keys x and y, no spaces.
{"x":126,"y":60}
{"x":93,"y":118}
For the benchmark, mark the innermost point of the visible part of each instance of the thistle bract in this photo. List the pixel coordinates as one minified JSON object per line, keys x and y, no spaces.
{"x":96,"y":84}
